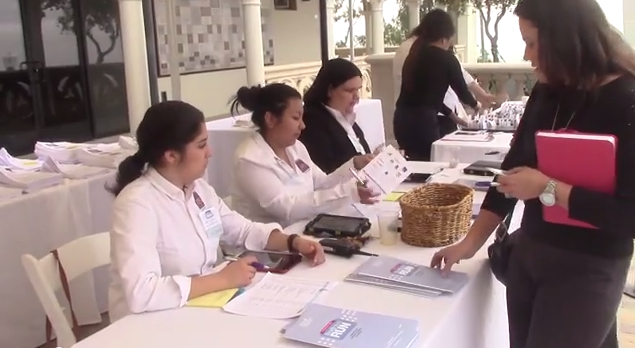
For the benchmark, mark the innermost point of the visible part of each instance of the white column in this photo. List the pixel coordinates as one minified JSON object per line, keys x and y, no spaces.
{"x":135,"y":59}
{"x":377,"y":18}
{"x":413,"y":13}
{"x":629,"y":21}
{"x":330,"y":26}
{"x":368,"y":24}
{"x":254,"y":52}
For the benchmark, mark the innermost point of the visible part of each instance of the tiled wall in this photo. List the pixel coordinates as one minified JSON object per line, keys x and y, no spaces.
{"x":210,"y":35}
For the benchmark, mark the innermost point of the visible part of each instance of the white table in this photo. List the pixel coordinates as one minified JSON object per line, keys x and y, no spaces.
{"x":225,"y":137}
{"x":37,"y":223}
{"x":475,"y":317}
{"x":471,"y":151}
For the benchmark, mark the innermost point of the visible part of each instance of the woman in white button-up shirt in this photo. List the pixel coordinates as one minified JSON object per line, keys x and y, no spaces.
{"x":275,"y":179}
{"x":168,"y":222}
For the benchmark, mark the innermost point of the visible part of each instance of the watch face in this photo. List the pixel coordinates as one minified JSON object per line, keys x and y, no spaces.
{"x":548,"y":199}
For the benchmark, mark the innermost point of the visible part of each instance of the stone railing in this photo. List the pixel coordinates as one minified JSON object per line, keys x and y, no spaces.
{"x":301,"y":76}
{"x":345,"y":52}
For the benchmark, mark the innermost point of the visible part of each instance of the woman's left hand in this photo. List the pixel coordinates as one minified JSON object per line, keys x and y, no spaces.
{"x":310,"y":249}
{"x":523,"y":183}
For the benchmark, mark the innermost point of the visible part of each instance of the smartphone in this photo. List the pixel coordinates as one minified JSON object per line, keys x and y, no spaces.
{"x":419,"y":178}
{"x":276,"y":262}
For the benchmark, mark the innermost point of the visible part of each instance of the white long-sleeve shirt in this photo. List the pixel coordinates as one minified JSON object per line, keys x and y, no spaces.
{"x":162,"y":235}
{"x":268,"y":189}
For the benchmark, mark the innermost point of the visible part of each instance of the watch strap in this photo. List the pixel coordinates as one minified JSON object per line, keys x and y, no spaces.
{"x":290,"y":240}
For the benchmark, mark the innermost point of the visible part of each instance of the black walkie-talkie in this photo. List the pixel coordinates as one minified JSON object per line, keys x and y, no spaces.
{"x":342,"y":247}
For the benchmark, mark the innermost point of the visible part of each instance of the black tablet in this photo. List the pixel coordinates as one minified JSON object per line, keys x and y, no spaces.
{"x":328,"y":225}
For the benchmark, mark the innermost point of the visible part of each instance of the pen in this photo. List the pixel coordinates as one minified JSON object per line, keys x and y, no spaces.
{"x":359,"y":180}
{"x":437,"y":171}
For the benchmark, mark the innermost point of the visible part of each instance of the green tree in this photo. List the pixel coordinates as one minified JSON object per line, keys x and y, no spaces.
{"x":98,"y":14}
{"x":490,"y":22}
{"x":341,"y":10}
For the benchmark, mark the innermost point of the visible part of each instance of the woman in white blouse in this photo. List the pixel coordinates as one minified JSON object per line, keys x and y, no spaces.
{"x":275,"y":179}
{"x":168,"y":222}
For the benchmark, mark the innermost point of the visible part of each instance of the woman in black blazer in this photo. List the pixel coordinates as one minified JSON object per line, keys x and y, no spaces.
{"x":332,"y":136}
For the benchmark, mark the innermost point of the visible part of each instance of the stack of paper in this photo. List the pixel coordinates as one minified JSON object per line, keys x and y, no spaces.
{"x":332,"y":327}
{"x":108,"y":156}
{"x":6,"y":160}
{"x":28,"y":181}
{"x":71,"y":171}
{"x":278,"y":297}
{"x":61,"y":152}
{"x":392,"y":273}
{"x":478,"y":136}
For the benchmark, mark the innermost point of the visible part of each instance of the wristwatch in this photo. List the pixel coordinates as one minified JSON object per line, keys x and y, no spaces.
{"x":548,"y":196}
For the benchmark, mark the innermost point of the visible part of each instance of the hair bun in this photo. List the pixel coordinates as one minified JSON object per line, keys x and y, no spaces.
{"x":249,"y":97}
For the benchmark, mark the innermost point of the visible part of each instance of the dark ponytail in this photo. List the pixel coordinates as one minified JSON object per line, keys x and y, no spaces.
{"x":167,"y":126}
{"x":129,"y":170}
{"x":260,"y":100}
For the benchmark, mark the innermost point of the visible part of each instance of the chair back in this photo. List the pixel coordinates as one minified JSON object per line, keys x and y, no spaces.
{"x":54,"y":271}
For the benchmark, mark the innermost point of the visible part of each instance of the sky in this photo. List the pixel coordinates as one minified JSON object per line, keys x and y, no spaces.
{"x":510,"y":42}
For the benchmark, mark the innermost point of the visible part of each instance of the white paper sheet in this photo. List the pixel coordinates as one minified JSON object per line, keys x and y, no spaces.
{"x":386,"y":171}
{"x":278,"y":297}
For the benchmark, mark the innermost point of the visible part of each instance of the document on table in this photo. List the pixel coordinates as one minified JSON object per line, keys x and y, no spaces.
{"x":387,"y":170}
{"x":278,"y":297}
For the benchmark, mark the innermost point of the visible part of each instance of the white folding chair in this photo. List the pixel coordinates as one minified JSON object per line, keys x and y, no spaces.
{"x":55,"y":270}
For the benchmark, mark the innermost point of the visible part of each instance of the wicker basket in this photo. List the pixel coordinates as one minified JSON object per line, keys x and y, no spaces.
{"x":436,"y":215}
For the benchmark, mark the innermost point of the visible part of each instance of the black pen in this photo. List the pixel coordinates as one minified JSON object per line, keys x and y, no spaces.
{"x":437,"y":171}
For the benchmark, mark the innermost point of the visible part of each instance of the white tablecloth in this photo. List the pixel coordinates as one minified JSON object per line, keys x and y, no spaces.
{"x":475,"y":317}
{"x":37,"y":223}
{"x":224,"y":139}
{"x":471,"y":151}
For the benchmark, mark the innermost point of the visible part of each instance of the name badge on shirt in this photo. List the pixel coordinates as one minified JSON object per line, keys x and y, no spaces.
{"x":302,"y":166}
{"x":211,"y":223}
{"x":210,"y":219}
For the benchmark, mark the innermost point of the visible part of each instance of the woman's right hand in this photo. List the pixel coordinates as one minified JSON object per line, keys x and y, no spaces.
{"x":366,"y":195}
{"x":449,"y":256}
{"x":239,"y":273}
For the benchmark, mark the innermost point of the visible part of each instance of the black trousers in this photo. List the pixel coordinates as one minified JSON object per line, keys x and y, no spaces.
{"x":446,"y":125}
{"x":415,"y":131}
{"x":561,"y":299}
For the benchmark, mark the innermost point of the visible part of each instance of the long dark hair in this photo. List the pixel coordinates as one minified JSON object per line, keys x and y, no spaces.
{"x":273,"y":98}
{"x":435,"y":25}
{"x":332,"y":74}
{"x":166,"y":126}
{"x":580,"y":51}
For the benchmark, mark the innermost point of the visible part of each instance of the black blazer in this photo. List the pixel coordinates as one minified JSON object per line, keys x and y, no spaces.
{"x":326,"y":140}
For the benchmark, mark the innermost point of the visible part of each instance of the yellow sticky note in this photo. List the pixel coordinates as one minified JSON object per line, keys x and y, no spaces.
{"x":393,"y":196}
{"x":213,"y":300}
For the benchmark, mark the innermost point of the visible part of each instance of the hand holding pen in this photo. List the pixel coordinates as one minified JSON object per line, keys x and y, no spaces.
{"x":240,"y":272}
{"x":366,"y":194}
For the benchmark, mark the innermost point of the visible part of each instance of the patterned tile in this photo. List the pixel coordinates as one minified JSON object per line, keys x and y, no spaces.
{"x":209,"y":34}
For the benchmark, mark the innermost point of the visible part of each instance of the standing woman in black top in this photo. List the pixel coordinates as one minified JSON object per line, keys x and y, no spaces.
{"x":428,"y":71}
{"x":565,"y":283}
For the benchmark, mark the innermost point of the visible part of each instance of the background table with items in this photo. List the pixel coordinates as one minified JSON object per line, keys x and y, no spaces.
{"x":225,"y":137}
{"x":475,"y":317}
{"x":37,"y":223}
{"x":471,"y":151}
